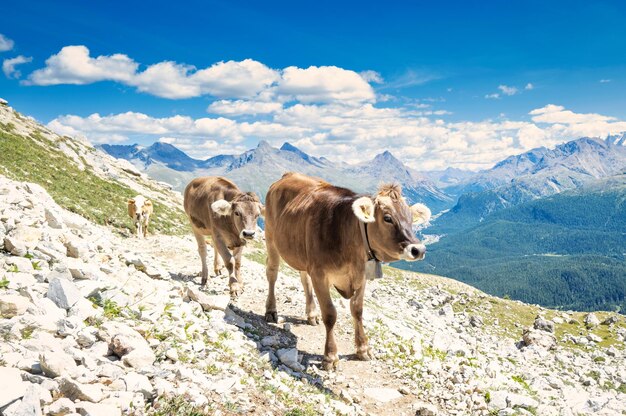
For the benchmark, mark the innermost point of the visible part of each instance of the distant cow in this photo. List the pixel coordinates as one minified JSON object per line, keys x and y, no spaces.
{"x":140,"y":209}
{"x":316,"y":228}
{"x":216,"y":207}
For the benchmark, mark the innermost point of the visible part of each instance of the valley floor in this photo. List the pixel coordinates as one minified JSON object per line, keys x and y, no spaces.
{"x":149,"y":341}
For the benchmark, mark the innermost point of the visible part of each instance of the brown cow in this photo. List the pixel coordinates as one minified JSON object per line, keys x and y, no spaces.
{"x":315,"y":227}
{"x":140,"y":209}
{"x":216,"y":207}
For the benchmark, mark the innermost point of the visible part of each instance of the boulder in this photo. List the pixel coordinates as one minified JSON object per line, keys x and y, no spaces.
{"x":591,"y":320}
{"x":382,"y":394}
{"x":11,"y":386}
{"x":538,"y":338}
{"x":289,"y":357}
{"x":13,"y":305}
{"x":208,"y":302}
{"x":99,"y":409}
{"x":139,"y":383}
{"x":54,"y":218}
{"x":63,"y":293}
{"x":79,"y":391}
{"x":543,"y":324}
{"x":61,"y":407}
{"x":56,"y":363}
{"x":15,"y":246}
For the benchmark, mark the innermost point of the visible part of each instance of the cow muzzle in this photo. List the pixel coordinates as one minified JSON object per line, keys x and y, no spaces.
{"x":414,"y":252}
{"x":248,"y":234}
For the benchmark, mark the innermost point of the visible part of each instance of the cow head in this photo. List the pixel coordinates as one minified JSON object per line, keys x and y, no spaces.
{"x":390,"y":224}
{"x":243,"y":210}
{"x":139,"y":208}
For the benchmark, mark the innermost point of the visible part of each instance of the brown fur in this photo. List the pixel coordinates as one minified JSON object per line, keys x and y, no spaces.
{"x":311,"y":225}
{"x":225,"y":230}
{"x":141,"y":227}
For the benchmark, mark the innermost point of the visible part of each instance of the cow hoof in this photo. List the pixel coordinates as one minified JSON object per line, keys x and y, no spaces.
{"x":236,"y":290}
{"x":330,"y":364}
{"x":313,"y":320}
{"x":271,"y":317}
{"x":364,"y":354}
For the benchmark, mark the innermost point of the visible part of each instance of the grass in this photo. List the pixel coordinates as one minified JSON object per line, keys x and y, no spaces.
{"x":36,"y":159}
{"x":176,"y":406}
{"x":522,"y":382}
{"x":4,"y":283}
{"x":27,"y":332}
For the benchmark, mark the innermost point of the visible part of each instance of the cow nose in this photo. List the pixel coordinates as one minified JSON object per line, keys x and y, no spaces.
{"x":248,"y":233}
{"x":418,"y":251}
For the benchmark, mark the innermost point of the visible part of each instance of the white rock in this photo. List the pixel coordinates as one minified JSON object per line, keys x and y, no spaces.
{"x":15,"y":246}
{"x":289,"y":357}
{"x":21,"y":263}
{"x":54,"y":218}
{"x":79,"y":391}
{"x":77,"y":249}
{"x":97,"y":409}
{"x":63,"y":293}
{"x":425,"y":409}
{"x":56,"y":364}
{"x":208,"y":302}
{"x":61,"y":407}
{"x":591,"y":320}
{"x":13,"y":305}
{"x":139,"y":383}
{"x":30,"y":405}
{"x":11,"y":385}
{"x":382,"y":394}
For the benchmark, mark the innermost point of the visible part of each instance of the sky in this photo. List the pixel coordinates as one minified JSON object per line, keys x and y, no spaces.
{"x":439,"y":84}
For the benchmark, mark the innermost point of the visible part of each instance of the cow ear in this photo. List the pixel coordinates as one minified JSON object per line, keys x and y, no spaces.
{"x":221,"y":207}
{"x":131,"y":201}
{"x":262,"y":209}
{"x":148,"y":202}
{"x":421,"y":214}
{"x":364,"y":209}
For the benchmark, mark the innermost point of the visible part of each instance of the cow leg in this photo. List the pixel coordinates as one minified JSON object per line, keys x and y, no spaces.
{"x":360,"y":339}
{"x":202,"y":252}
{"x":229,"y":262}
{"x":329,"y":316}
{"x":271,"y":271}
{"x":138,"y":229}
{"x":312,"y":317}
{"x":237,"y":285}
{"x":145,"y":227}
{"x":217,"y":266}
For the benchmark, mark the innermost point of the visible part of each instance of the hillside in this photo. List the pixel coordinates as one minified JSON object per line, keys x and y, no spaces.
{"x":567,"y":250}
{"x":100,"y":323}
{"x":256,"y":169}
{"x":80,"y":178}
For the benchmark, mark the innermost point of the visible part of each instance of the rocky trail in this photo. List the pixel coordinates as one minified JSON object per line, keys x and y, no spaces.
{"x":96,"y":322}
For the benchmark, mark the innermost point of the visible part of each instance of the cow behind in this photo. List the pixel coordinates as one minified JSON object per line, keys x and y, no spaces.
{"x":216,"y":207}
{"x":315,"y":227}
{"x":140,"y":210}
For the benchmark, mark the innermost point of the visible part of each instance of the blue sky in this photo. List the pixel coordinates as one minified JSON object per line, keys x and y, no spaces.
{"x":447,"y":84}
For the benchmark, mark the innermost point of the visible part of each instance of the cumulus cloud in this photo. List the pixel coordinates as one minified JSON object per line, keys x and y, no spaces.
{"x":604,"y":81}
{"x":508,"y":91}
{"x":240,"y":80}
{"x":323,"y":84}
{"x":529,"y":86}
{"x":242,"y":107}
{"x":8,"y":66}
{"x":494,"y":96}
{"x":354,"y":133}
{"x":6,"y":44}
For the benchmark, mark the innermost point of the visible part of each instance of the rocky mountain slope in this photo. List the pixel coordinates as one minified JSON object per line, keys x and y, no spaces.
{"x":535,"y":174}
{"x":100,"y":324}
{"x":256,"y":169}
{"x":96,"y":322}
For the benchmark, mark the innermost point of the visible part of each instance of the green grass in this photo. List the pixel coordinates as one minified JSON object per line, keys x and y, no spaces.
{"x":4,"y":283}
{"x":175,"y":406}
{"x":35,"y":159}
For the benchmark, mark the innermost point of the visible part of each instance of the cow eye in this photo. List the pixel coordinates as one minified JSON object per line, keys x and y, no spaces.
{"x":388,"y":218}
{"x":237,"y":213}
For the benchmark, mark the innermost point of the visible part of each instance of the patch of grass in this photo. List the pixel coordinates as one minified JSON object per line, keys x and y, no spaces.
{"x":27,"y":332}
{"x":487,"y":397}
{"x":36,"y":159}
{"x":212,"y":369}
{"x":306,"y":410}
{"x":176,"y":406}
{"x":520,"y":380}
{"x":434,"y":353}
{"x":13,"y":268}
{"x":36,"y":265}
{"x":4,"y":283}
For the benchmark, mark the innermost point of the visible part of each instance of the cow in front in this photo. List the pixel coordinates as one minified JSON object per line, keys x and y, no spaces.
{"x":316,"y":228}
{"x":216,"y":207}
{"x":140,"y":209}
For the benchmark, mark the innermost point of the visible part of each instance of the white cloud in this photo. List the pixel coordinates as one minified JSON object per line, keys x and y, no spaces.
{"x":529,"y":86}
{"x":372,"y":76}
{"x":6,"y":44}
{"x":247,"y":79}
{"x":506,"y":90}
{"x":8,"y":66}
{"x":241,"y":107}
{"x":323,"y":84}
{"x":494,"y":96}
{"x":354,"y":133}
{"x":605,"y":81}
{"x":73,"y":65}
